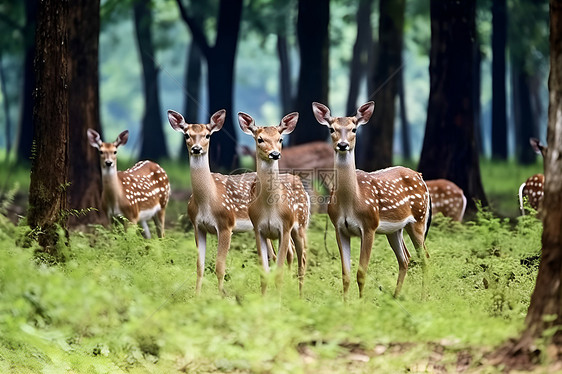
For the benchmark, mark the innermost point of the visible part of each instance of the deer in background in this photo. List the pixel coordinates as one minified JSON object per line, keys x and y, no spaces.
{"x":533,"y":188}
{"x":139,"y":193}
{"x":280,"y":206}
{"x":446,"y":198}
{"x":219,"y":203}
{"x":362,"y":204}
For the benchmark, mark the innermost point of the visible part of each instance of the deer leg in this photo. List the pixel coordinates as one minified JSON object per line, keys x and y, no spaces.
{"x":223,"y":237}
{"x":291,"y":253}
{"x":416,"y":232}
{"x":262,"y":244}
{"x":145,"y":230}
{"x":201,"y":242}
{"x":284,"y":244}
{"x":271,"y":251}
{"x":397,"y":243}
{"x":367,"y":238}
{"x":297,"y":236}
{"x":344,"y":245}
{"x":159,"y":219}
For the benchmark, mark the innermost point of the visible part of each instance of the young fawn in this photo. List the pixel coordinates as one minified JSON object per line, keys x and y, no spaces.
{"x":139,"y":193}
{"x":219,"y":203}
{"x":446,"y":198}
{"x":362,"y":204}
{"x":280,"y":205}
{"x":533,"y":188}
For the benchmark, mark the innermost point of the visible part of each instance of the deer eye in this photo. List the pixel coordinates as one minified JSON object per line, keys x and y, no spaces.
{"x":114,"y":152}
{"x":281,"y":140}
{"x":101,"y":153}
{"x":260,"y":140}
{"x":208,"y":136}
{"x":354,"y":130}
{"x":332,"y":130}
{"x":186,"y":136}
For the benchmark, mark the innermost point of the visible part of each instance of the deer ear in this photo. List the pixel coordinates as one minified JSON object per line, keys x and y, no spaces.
{"x":176,"y":121}
{"x":94,"y":138}
{"x":322,"y":113}
{"x":217,"y":120}
{"x":247,"y":123}
{"x":365,"y":112}
{"x":537,"y":146}
{"x":122,"y":138}
{"x":288,"y":123}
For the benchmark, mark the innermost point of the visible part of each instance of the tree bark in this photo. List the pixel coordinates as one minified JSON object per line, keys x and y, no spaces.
{"x":85,"y":176}
{"x":449,"y":146}
{"x":284,"y":73}
{"x":524,"y":117}
{"x":476,"y":92}
{"x":313,"y":37}
{"x":192,"y":83}
{"x":499,"y":115}
{"x":405,"y":138}
{"x":377,"y":137}
{"x":153,"y":144}
{"x":359,"y":60}
{"x":6,"y":107}
{"x":25,"y":127}
{"x":49,"y":172}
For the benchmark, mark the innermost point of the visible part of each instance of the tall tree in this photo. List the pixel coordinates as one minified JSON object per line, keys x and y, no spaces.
{"x":153,"y":144}
{"x":84,"y":110}
{"x":405,"y":133}
{"x":377,"y":136}
{"x":220,"y":72}
{"x":449,"y":146}
{"x":313,"y":38}
{"x":49,"y":172}
{"x":192,"y":84}
{"x":25,"y":134}
{"x":499,"y":108}
{"x":360,"y":57}
{"x":545,"y":309}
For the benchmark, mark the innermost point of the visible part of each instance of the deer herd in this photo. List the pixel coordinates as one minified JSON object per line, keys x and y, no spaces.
{"x":276,"y":205}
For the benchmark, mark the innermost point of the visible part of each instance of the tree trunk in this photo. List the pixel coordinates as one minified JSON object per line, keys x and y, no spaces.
{"x":499,"y":116}
{"x":545,"y":309}
{"x":284,"y":73}
{"x":476,"y":92}
{"x":25,"y":127}
{"x":85,"y":176}
{"x":523,"y":116}
{"x":153,"y":144}
{"x":359,"y":60}
{"x":405,"y":138}
{"x":313,"y":36}
{"x":377,"y":136}
{"x":192,"y":83}
{"x":49,"y":172}
{"x":449,"y":146}
{"x":6,"y":107}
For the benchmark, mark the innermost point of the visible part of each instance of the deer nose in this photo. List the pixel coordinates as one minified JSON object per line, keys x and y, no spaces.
{"x":274,"y":155}
{"x":343,"y":146}
{"x":196,"y":149}
{"x":108,"y":163}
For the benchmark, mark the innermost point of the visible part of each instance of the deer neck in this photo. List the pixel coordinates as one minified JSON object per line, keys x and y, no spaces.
{"x":268,"y":178}
{"x":112,"y":187}
{"x":346,"y":188}
{"x":202,"y":183}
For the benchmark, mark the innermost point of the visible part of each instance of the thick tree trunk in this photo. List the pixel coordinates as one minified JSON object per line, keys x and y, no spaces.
{"x":8,"y":121}
{"x":377,"y":136}
{"x":499,"y":115}
{"x":284,"y":74}
{"x":85,"y":176}
{"x":524,"y":117}
{"x":192,"y":83}
{"x":359,"y":60}
{"x":449,"y":147}
{"x":25,"y":127}
{"x":49,"y":172}
{"x":312,"y":33}
{"x":405,"y":133}
{"x":153,"y":144}
{"x":476,"y":96}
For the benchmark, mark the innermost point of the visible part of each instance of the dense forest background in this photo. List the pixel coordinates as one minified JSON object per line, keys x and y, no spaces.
{"x":258,"y":89}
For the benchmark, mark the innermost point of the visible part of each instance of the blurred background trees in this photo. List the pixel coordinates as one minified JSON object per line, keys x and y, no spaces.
{"x":270,"y":57}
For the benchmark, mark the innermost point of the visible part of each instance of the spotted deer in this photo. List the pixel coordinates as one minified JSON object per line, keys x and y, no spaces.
{"x":139,"y":193}
{"x":362,"y":204}
{"x":533,"y":188}
{"x":280,"y":206}
{"x":219,"y":203}
{"x":446,"y":198}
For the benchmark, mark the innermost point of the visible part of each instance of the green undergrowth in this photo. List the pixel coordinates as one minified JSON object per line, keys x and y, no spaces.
{"x":123,"y":304}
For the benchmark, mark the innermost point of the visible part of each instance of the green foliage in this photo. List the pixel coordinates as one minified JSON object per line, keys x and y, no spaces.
{"x":121,"y":303}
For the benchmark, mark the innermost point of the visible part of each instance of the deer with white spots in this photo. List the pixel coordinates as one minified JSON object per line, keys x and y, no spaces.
{"x":280,"y":205}
{"x":362,"y":204}
{"x":139,"y":193}
{"x":533,"y":188}
{"x":446,"y":198}
{"x":219,"y":203}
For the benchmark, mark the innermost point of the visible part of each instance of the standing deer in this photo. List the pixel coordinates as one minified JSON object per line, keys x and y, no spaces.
{"x":280,"y":205}
{"x":139,"y":193}
{"x":446,"y":198}
{"x":533,"y":188}
{"x":362,"y":204}
{"x":219,"y":203}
